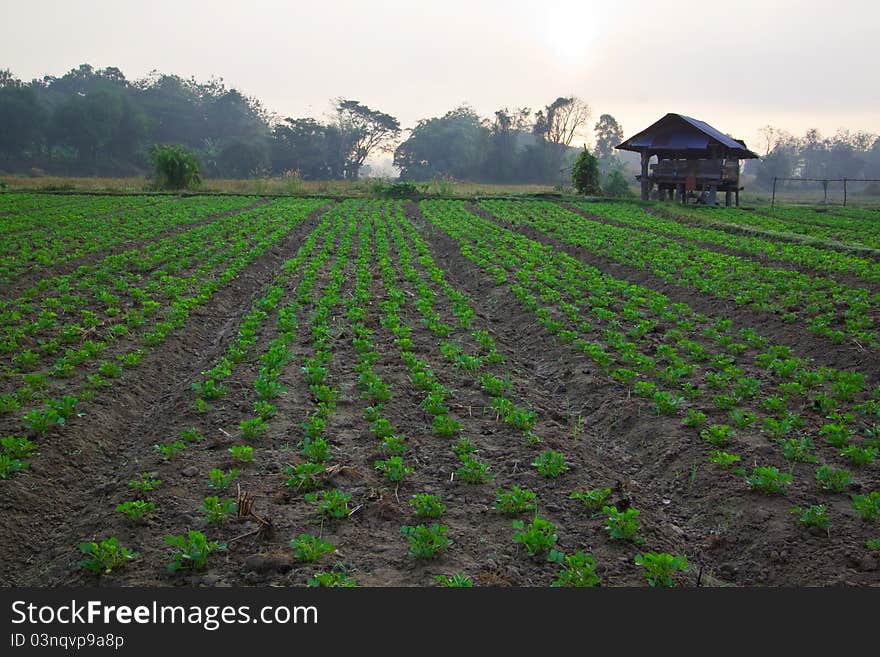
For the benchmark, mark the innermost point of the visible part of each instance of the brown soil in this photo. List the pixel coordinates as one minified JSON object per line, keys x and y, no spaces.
{"x":688,"y":506}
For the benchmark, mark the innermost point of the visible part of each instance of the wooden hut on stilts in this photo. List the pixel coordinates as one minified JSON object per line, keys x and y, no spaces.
{"x":694,"y":161}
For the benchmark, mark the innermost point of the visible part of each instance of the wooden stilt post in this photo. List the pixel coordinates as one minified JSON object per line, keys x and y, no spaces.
{"x":773,"y":197}
{"x":727,"y":199}
{"x":713,"y":194}
{"x":844,"y":192}
{"x":646,"y":185}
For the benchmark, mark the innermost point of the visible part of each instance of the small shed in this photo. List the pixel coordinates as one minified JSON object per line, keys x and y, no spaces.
{"x":694,"y":160}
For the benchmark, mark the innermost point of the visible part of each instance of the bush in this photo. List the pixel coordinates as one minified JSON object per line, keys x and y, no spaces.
{"x":585,"y":174}
{"x":616,"y":185}
{"x":401,"y":189}
{"x":175,"y":167}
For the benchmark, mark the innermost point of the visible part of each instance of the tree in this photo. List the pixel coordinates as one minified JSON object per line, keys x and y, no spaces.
{"x":616,"y":185}
{"x":22,"y":118}
{"x":452,"y":145}
{"x":364,"y":130}
{"x":307,"y":146}
{"x":175,"y":167}
{"x":564,"y":117}
{"x":585,"y":174}
{"x":608,"y":135}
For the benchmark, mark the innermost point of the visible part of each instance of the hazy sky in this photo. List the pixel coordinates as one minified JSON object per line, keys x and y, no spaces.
{"x":739,"y":65}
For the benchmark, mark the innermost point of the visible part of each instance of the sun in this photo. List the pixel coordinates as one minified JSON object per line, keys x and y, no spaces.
{"x":569,"y":31}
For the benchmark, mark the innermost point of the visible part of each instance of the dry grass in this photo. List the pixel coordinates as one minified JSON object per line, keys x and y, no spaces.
{"x":280,"y":185}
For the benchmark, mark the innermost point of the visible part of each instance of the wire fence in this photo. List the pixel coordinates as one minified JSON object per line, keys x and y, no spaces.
{"x":826,"y":191}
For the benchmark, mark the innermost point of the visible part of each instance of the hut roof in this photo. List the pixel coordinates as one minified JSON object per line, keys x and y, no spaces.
{"x":677,"y":135}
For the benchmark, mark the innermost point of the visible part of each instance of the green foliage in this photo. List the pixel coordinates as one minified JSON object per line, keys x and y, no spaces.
{"x":859,"y":456}
{"x":244,"y":453}
{"x":516,"y":500}
{"x":105,"y":556}
{"x":622,"y":525}
{"x":473,"y":471}
{"x":616,"y":185}
{"x":550,"y":463}
{"x":317,"y":450}
{"x":538,"y":537}
{"x":660,"y":566}
{"x":717,"y":434}
{"x":593,"y":499}
{"x":146,"y":483}
{"x":17,"y":447}
{"x":832,"y":479}
{"x":585,"y":174}
{"x":769,"y":480}
{"x":215,"y":510}
{"x":136,"y":510}
{"x":815,"y":515}
{"x":458,"y":581}
{"x":867,"y":507}
{"x":331,"y":503}
{"x":426,"y":542}
{"x":168,"y":450}
{"x":463,"y":448}
{"x":427,"y":505}
{"x":221,"y":480}
{"x":305,"y":476}
{"x":393,"y":468}
{"x":332,"y":579}
{"x":9,"y":466}
{"x":799,"y":449}
{"x":174,"y":167}
{"x":578,"y":569}
{"x":191,"y":551}
{"x":308,"y":548}
{"x":694,"y":418}
{"x":723,"y":459}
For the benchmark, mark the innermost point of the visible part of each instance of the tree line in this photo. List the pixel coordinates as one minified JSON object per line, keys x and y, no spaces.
{"x":854,"y":155}
{"x":97,"y":122}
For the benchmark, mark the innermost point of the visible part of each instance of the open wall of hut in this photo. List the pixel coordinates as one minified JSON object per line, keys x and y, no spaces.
{"x":694,"y":161}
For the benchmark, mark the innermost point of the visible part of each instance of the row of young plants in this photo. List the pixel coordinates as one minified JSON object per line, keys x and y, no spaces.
{"x":560,"y":290}
{"x":802,"y":255}
{"x":137,"y":312}
{"x":47,"y":238}
{"x":825,"y":306}
{"x":29,"y":206}
{"x":785,"y":223}
{"x":483,"y":366}
{"x":48,"y":412}
{"x":308,"y":262}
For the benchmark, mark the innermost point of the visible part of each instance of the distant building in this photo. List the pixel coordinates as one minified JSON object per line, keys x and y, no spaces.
{"x":694,"y":160}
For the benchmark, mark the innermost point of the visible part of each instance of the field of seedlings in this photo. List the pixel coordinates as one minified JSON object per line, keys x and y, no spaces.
{"x":233,"y":390}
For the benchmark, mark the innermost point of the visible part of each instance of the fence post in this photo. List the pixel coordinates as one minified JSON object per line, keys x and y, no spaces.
{"x":773,"y":198}
{"x":844,"y":192}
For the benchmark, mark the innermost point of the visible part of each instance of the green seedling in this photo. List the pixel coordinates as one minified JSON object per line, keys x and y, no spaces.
{"x":136,"y":510}
{"x":540,"y":536}
{"x":660,"y":567}
{"x":216,"y":511}
{"x":309,"y":549}
{"x":426,"y":505}
{"x":578,"y":570}
{"x":191,"y":551}
{"x":514,"y":501}
{"x":426,"y":542}
{"x":105,"y":556}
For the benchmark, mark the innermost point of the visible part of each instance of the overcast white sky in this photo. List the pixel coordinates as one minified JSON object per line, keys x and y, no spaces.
{"x":739,"y":64}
